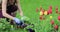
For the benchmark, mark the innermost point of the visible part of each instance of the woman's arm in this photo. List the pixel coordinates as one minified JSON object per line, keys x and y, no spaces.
{"x":19,"y":7}
{"x":4,"y":4}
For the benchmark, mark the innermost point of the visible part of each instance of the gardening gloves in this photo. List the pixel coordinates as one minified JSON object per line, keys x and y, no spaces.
{"x":18,"y":21}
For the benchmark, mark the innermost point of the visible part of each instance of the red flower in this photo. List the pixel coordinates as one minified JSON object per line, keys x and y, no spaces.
{"x":41,"y":17}
{"x":52,"y":22}
{"x":47,"y":12}
{"x":59,"y":18}
{"x":50,"y":7}
{"x":43,"y":12}
{"x":50,"y":10}
{"x":56,"y":9}
{"x":56,"y":27}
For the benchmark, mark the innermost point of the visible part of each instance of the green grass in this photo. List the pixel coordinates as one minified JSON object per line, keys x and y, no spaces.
{"x":29,"y":9}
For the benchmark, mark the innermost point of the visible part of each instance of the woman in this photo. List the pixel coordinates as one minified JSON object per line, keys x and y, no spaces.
{"x":7,"y":9}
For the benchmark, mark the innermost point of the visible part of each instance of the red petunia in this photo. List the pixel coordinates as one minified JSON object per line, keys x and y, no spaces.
{"x":56,"y":27}
{"x":52,"y":22}
{"x":59,"y":18}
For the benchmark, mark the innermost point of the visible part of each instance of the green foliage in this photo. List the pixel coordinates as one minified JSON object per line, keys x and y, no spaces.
{"x":4,"y":25}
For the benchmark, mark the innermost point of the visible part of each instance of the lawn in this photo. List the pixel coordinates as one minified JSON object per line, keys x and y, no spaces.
{"x":29,"y":10}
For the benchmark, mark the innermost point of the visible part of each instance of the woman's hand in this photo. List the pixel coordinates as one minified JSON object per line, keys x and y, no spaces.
{"x":18,"y":21}
{"x":21,"y":13}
